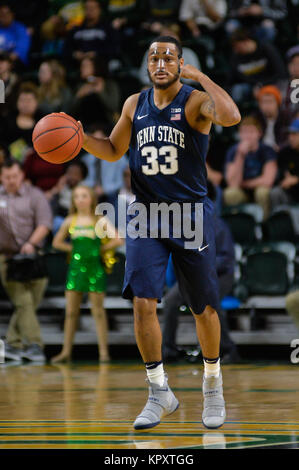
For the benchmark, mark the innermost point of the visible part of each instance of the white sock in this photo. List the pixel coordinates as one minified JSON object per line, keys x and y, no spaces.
{"x":212,"y":369}
{"x":156,"y":375}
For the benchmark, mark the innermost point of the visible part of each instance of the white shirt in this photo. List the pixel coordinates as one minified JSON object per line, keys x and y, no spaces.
{"x":196,"y":10}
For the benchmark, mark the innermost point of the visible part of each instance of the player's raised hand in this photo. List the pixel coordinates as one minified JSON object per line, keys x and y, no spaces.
{"x":189,"y":71}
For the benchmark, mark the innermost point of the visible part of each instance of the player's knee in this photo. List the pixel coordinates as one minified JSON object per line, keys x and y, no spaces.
{"x":207,"y":312}
{"x":144,"y":306}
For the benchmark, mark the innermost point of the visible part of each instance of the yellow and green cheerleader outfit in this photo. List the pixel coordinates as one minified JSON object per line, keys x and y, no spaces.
{"x":86,"y":272}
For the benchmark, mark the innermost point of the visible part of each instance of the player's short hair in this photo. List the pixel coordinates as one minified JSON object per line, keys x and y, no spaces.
{"x":169,"y":39}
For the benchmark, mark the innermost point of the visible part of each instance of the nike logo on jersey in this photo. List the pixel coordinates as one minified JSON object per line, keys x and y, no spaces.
{"x":141,"y":117}
{"x":201,"y":248}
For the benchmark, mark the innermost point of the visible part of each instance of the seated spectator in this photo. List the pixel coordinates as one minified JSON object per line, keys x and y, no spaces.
{"x":123,"y":14}
{"x":14,"y":38}
{"x":214,"y":166}
{"x":97,"y":94}
{"x":190,"y":57}
{"x":63,"y":15}
{"x":68,"y":13}
{"x":126,"y":190}
{"x":32,"y":14}
{"x":161,"y":15}
{"x":250,"y":168}
{"x":16,"y":129}
{"x":93,"y":38}
{"x":290,"y":106}
{"x":53,"y":93}
{"x":260,"y":16}
{"x":42,"y":174}
{"x":292,"y":306}
{"x":271,"y":117}
{"x":11,"y":83}
{"x":287,"y":190}
{"x":61,"y":198}
{"x":109,"y":177}
{"x":125,"y":19}
{"x":202,"y":16}
{"x":24,"y":206}
{"x":253,"y":64}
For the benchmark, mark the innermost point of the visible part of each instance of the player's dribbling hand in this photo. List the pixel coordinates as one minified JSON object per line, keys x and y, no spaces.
{"x":83,"y":133}
{"x":81,"y":127}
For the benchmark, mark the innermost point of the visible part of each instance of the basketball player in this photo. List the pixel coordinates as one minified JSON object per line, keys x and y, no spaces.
{"x":166,"y":128}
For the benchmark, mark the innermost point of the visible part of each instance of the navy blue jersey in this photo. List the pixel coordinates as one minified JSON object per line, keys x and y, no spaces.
{"x":167,"y":157}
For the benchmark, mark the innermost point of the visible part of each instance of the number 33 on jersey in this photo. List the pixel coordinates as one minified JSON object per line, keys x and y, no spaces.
{"x":167,"y":157}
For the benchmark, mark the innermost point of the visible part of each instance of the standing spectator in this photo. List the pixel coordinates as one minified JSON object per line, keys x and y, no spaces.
{"x":86,"y":272}
{"x":14,"y":37}
{"x":288,"y":163}
{"x":253,"y":64}
{"x":271,"y":117}
{"x":260,"y":16}
{"x":291,"y":106}
{"x":17,"y":128}
{"x":93,"y":38}
{"x":53,"y":93}
{"x":11,"y":82}
{"x":22,"y":206}
{"x":251,"y":168}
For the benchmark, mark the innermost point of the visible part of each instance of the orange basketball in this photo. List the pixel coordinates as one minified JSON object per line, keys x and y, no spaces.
{"x":57,"y":138}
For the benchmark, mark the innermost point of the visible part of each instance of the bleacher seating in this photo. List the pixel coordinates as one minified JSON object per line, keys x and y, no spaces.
{"x":279,"y":227}
{"x":244,"y":221}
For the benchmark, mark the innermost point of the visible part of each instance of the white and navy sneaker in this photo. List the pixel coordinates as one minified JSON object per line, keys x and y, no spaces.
{"x":161,"y":402}
{"x":214,"y":414}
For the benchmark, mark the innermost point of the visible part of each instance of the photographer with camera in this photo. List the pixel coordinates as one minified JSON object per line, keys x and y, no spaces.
{"x":25,"y":221}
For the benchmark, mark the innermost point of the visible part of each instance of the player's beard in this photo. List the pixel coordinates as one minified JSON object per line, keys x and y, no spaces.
{"x":164,"y":86}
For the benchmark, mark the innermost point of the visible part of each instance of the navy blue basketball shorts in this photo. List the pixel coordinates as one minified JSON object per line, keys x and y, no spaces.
{"x":195,"y":267}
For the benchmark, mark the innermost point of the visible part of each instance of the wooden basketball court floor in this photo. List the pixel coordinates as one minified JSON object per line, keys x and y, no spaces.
{"x":92,"y":406}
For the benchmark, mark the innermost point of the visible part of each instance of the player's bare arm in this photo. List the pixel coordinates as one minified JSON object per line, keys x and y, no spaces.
{"x":116,"y":145}
{"x":212,"y":106}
